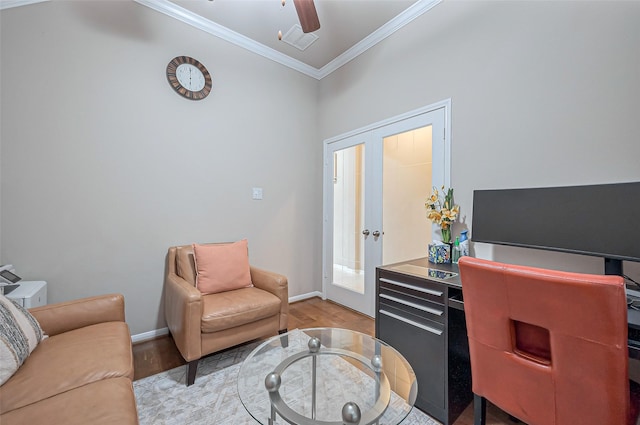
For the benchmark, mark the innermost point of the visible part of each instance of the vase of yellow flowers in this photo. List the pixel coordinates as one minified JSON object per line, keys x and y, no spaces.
{"x":442,"y":211}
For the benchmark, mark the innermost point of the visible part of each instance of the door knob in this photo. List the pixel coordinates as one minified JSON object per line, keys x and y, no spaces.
{"x":376,"y":233}
{"x":365,"y":232}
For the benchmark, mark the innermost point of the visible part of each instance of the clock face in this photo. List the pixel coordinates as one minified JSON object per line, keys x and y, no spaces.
{"x":189,"y":78}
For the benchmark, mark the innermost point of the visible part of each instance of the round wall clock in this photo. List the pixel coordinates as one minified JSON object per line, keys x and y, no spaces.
{"x":189,"y":78}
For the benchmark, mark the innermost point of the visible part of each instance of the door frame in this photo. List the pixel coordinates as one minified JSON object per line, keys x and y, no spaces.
{"x":328,"y":161}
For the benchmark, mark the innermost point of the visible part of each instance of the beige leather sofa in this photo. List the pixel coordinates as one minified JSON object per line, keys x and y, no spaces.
{"x":203,"y":324}
{"x":81,"y":374}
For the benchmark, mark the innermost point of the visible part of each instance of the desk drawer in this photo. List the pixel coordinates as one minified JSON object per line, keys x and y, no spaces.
{"x":411,"y":320}
{"x":431,"y":291}
{"x":416,"y":306}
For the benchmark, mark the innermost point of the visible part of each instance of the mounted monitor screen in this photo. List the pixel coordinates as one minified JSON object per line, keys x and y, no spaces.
{"x":598,"y":220}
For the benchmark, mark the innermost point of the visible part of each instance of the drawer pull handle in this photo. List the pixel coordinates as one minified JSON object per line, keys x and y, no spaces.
{"x":414,"y":305}
{"x":415,"y":288}
{"x":411,"y":322}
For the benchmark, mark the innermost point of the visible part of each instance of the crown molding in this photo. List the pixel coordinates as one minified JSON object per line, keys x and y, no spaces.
{"x":171,"y":9}
{"x":8,"y":4}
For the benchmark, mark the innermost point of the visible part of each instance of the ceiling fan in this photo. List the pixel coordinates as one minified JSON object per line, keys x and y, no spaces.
{"x":307,"y":14}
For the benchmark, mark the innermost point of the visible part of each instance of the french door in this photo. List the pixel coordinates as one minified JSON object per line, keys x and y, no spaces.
{"x":375,"y":183}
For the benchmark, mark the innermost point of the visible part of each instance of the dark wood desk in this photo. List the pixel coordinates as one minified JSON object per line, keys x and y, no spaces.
{"x":420,"y":312}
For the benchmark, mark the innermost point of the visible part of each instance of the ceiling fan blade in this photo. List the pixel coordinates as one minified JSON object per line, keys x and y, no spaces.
{"x":307,"y":14}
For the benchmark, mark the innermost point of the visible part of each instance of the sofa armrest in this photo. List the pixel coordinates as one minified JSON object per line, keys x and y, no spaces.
{"x":66,"y":316}
{"x":183,"y":313}
{"x":278,"y":285}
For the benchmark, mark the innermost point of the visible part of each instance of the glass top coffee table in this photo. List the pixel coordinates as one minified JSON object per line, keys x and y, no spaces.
{"x":326,"y":376}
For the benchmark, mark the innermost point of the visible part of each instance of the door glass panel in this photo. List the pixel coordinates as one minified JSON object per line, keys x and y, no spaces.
{"x":407,"y":164}
{"x":348,"y":218}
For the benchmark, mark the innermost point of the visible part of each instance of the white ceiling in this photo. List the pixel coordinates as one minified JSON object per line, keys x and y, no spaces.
{"x":347,"y":27}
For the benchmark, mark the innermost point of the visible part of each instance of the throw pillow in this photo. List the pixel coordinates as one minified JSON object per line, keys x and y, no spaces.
{"x":20,"y":333}
{"x":222,"y":267}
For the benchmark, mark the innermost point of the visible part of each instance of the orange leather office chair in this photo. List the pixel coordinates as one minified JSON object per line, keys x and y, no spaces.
{"x":547,"y":347}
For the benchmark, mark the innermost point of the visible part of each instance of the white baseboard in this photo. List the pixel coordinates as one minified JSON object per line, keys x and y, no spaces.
{"x":305,"y":296}
{"x":145,"y":336}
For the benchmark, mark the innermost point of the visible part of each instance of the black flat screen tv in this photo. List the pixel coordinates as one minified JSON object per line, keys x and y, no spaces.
{"x":598,"y":220}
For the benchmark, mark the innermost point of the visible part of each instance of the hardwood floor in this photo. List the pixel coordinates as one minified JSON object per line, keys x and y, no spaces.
{"x":160,"y":354}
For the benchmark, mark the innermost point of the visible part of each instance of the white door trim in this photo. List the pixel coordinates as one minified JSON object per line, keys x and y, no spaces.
{"x":446,"y":104}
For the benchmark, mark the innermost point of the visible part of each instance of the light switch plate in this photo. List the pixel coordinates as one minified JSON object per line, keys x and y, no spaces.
{"x":256,"y":193}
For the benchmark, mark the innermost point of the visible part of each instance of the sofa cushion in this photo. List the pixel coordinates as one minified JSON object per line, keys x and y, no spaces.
{"x":105,"y":402}
{"x":20,"y":333}
{"x":222,"y":267}
{"x":70,"y":360}
{"x":229,"y":309}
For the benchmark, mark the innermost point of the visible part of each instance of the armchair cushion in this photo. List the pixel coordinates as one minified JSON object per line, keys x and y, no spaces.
{"x":222,"y":267}
{"x":230,"y":309}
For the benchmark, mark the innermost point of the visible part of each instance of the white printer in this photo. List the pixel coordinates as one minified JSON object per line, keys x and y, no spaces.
{"x":26,"y":293}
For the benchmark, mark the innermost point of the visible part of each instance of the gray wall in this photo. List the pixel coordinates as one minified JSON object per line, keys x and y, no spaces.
{"x":543,"y":94}
{"x":104,"y":166}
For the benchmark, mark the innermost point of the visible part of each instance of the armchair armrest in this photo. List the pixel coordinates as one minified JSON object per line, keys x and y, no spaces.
{"x":183,"y":313}
{"x":278,"y":285}
{"x":66,"y":316}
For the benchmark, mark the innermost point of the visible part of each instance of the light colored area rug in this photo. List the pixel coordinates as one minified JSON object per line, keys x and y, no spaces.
{"x":164,"y":399}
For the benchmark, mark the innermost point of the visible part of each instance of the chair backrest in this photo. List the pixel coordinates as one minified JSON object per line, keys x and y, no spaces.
{"x":548,"y":347}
